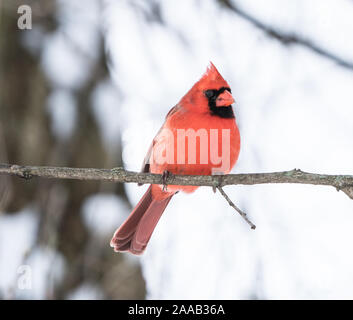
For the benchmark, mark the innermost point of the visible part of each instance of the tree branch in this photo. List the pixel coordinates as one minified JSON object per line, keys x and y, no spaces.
{"x":284,"y":37}
{"x":340,"y":182}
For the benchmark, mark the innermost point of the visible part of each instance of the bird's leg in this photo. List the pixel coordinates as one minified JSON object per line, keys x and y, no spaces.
{"x":166,"y":174}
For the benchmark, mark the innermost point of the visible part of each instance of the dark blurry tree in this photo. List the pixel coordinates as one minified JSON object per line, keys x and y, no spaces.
{"x":26,"y":138}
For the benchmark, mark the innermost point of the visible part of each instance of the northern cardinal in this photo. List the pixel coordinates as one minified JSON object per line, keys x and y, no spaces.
{"x":205,"y":115}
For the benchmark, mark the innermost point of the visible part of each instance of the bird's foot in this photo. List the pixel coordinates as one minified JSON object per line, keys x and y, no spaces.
{"x":166,"y":174}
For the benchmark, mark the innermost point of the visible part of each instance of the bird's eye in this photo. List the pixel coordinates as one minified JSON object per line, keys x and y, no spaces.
{"x":209,"y":93}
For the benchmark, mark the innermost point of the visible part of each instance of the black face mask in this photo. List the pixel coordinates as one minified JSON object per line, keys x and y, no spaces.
{"x":223,"y":112}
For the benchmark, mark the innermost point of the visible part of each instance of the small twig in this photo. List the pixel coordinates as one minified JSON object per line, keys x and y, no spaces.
{"x":242,"y":213}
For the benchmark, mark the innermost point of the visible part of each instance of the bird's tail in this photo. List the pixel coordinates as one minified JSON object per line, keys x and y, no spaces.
{"x":134,"y":234}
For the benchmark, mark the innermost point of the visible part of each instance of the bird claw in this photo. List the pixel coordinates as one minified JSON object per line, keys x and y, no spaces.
{"x":166,"y":174}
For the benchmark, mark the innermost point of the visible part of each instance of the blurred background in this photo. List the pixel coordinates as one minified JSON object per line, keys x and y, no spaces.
{"x":89,"y":84}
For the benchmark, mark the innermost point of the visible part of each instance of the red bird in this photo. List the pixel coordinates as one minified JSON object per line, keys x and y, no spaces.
{"x":199,"y":137}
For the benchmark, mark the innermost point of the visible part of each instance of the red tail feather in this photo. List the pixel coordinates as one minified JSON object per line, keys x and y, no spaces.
{"x":136,"y":231}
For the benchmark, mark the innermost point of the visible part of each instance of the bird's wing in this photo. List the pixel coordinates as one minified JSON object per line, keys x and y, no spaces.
{"x":146,"y":161}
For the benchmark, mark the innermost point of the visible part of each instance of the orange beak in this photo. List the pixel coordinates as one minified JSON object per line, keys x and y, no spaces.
{"x":224,"y":99}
